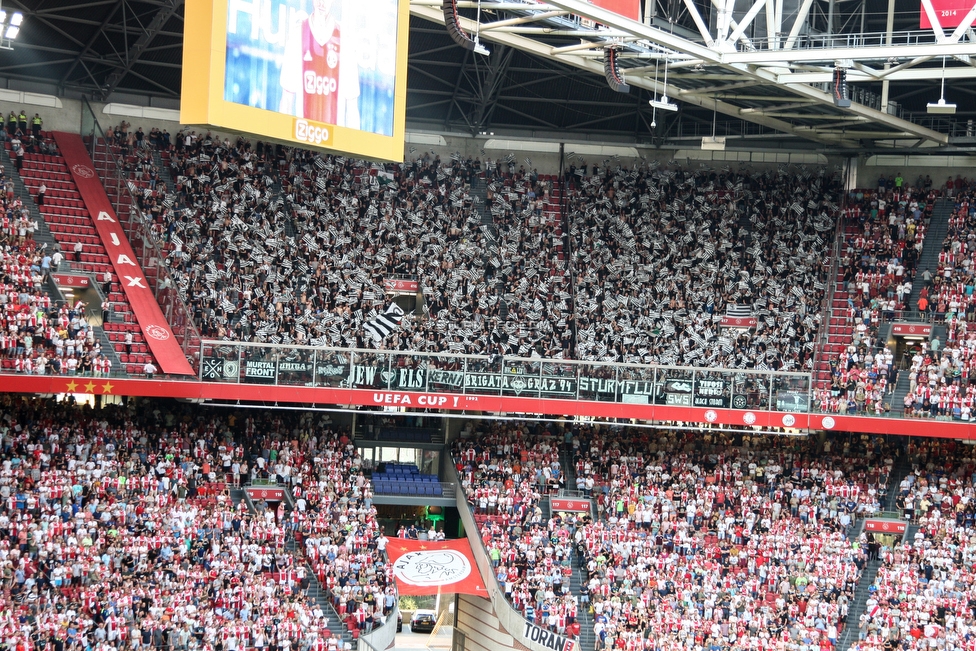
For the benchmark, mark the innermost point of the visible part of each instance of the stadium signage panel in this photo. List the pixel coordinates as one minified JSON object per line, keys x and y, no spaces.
{"x":912,"y":329}
{"x":71,"y":280}
{"x":262,"y":493}
{"x":949,"y":12}
{"x":739,"y":322}
{"x":456,"y":401}
{"x":567,"y":505}
{"x":548,"y":639}
{"x":264,"y":68}
{"x":885,"y":526}
{"x":401,"y":285}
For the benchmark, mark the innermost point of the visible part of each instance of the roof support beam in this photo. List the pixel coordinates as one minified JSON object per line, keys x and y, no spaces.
{"x":738,"y":60}
{"x":744,"y":24}
{"x":91,"y":41}
{"x":702,"y":27}
{"x":801,"y":19}
{"x":135,"y":51}
{"x":544,"y":51}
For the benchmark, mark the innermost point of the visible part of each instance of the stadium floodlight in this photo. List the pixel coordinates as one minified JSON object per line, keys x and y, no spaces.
{"x":664,"y":104}
{"x":10,"y":22}
{"x":941,"y":107}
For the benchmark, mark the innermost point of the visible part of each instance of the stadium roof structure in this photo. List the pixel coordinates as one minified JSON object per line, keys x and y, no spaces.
{"x":759,"y":72}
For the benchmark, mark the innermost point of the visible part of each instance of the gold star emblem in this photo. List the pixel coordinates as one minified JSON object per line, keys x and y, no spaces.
{"x":107,"y":387}
{"x":72,"y":386}
{"x":90,"y":387}
{"x":423,"y":546}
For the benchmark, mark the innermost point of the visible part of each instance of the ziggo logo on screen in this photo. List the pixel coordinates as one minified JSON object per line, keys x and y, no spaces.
{"x":312,"y":132}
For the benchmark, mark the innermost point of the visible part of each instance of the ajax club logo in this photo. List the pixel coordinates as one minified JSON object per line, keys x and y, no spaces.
{"x":434,"y":567}
{"x":711,"y":415}
{"x":83,"y":171}
{"x":157,"y":332}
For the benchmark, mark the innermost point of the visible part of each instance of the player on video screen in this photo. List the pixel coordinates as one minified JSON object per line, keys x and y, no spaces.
{"x":320,"y":74}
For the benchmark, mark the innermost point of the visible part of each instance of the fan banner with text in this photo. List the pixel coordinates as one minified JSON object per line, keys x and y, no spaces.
{"x":423,"y":567}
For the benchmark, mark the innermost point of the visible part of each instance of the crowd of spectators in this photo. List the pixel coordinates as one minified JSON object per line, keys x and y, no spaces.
{"x":923,"y":595}
{"x":335,"y":518}
{"x":507,"y":470}
{"x":37,"y":336}
{"x":272,"y":244}
{"x":661,"y":255}
{"x":711,"y":540}
{"x":117,"y":530}
{"x":940,"y":372}
{"x":883,"y":239}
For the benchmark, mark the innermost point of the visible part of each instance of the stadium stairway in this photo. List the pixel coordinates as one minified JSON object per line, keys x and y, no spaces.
{"x":42,"y":234}
{"x":902,"y":385}
{"x":934,"y":239}
{"x":479,"y":194}
{"x":317,"y":592}
{"x":848,"y":637}
{"x":569,"y":470}
{"x":898,"y":472}
{"x":840,"y":330}
{"x":587,"y":639}
{"x":237,"y":496}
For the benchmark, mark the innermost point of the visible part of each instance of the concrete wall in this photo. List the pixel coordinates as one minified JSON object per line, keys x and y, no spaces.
{"x":381,"y":638}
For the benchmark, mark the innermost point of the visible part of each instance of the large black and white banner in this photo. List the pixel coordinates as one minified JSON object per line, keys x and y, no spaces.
{"x":380,"y":327}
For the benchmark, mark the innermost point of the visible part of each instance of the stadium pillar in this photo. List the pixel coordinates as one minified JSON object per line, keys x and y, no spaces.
{"x":890,"y":26}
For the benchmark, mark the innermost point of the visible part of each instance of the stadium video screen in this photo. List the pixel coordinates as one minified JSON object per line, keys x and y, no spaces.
{"x":329,"y":74}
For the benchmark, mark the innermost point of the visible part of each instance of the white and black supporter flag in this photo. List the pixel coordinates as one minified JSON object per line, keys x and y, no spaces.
{"x":380,"y":327}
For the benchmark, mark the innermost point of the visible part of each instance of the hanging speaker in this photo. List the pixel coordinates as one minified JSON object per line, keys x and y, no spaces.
{"x":841,"y":97}
{"x":458,"y":35}
{"x":611,"y":70}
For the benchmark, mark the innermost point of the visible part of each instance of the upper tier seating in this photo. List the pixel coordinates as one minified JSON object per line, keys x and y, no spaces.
{"x":69,"y":221}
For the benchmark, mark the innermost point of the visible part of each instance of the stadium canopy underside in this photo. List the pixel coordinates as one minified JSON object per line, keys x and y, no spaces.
{"x":758,"y":72}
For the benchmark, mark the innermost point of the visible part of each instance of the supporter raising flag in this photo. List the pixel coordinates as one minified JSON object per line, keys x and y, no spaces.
{"x":380,"y":327}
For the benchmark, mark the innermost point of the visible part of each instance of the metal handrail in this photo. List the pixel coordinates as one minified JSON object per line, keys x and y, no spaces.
{"x":372,"y":352}
{"x":827,"y":309}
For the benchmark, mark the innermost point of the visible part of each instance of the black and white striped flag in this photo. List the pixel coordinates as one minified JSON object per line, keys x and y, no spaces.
{"x":380,"y":327}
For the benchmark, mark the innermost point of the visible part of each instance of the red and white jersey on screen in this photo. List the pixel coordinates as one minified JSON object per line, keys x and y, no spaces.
{"x":320,"y":75}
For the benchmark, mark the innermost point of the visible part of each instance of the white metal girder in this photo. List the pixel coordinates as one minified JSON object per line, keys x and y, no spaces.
{"x":855,"y":75}
{"x":801,"y":19}
{"x":434,"y":14}
{"x":746,"y":21}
